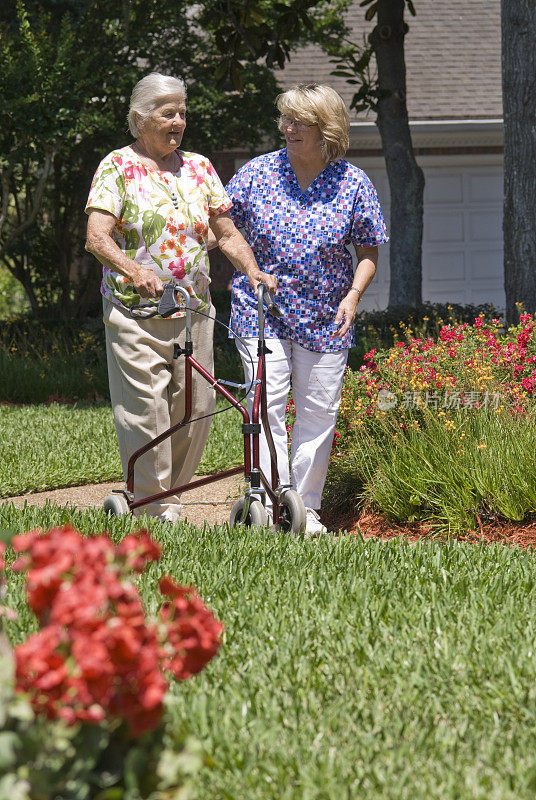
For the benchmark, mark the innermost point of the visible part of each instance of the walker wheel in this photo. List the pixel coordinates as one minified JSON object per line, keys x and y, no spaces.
{"x":292,"y":514}
{"x":116,"y":505}
{"x":256,"y":515}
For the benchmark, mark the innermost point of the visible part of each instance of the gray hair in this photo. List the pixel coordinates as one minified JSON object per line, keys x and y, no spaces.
{"x":147,"y":94}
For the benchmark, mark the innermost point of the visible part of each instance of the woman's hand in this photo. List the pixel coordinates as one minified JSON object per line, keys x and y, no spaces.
{"x":346,"y":313}
{"x":367,"y":259}
{"x":256,"y":276}
{"x":99,"y":241}
{"x":146,"y":283}
{"x":234,"y":246}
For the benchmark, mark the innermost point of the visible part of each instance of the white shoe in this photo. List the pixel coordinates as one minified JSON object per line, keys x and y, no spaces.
{"x":313,"y":526}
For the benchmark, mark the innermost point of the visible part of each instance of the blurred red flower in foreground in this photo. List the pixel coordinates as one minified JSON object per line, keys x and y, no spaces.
{"x":96,"y":655}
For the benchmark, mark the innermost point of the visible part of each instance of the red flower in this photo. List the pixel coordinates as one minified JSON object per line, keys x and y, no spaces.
{"x":139,"y":549}
{"x":98,"y":656}
{"x":193,"y":634}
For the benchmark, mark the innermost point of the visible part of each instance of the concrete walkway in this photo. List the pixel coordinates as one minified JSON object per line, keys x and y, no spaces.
{"x":211,"y":503}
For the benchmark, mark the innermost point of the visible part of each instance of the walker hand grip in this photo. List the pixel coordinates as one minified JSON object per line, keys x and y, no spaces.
{"x":268,"y":301}
{"x":167,"y":304}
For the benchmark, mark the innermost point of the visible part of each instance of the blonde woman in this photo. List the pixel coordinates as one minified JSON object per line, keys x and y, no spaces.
{"x":303,"y":209}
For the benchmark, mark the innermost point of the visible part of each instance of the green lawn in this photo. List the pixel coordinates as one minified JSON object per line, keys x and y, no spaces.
{"x":46,"y":447}
{"x":350,"y":669}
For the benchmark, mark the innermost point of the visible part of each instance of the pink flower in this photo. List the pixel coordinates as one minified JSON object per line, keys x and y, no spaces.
{"x":177,"y":268}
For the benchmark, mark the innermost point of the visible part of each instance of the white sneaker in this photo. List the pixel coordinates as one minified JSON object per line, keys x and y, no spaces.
{"x":313,"y":526}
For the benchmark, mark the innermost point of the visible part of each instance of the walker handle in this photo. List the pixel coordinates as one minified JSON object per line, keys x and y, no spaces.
{"x":268,"y":300}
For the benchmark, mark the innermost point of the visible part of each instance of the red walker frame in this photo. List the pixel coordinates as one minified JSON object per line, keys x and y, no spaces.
{"x":251,"y":428}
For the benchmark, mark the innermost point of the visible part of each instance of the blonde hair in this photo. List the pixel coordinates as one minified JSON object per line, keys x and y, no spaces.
{"x":148,"y":93}
{"x":317,"y":104}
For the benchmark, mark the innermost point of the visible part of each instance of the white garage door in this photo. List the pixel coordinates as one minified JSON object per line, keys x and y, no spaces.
{"x":462,"y":238}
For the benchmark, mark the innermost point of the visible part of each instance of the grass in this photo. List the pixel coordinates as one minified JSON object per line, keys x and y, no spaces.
{"x":349,"y":668}
{"x":46,"y":447}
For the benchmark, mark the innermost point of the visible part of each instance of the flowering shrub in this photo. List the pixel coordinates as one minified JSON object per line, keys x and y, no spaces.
{"x":441,"y":429}
{"x":467,"y":366}
{"x":96,"y":656}
{"x":87,"y":718}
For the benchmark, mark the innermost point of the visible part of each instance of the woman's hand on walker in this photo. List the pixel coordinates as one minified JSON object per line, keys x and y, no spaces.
{"x":345,"y":314}
{"x":256,"y":276}
{"x":146,"y":283}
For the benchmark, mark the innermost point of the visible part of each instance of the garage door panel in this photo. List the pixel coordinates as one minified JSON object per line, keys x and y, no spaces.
{"x":443,"y":189}
{"x":486,"y":265}
{"x":484,"y":293}
{"x":485,"y":188}
{"x":444,"y":226}
{"x":462,"y":238}
{"x":483,"y":227}
{"x":446,"y":294}
{"x":446,"y":265}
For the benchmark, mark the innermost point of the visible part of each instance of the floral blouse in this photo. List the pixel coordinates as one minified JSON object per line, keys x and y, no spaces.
{"x":162,"y":221}
{"x":303,"y":238}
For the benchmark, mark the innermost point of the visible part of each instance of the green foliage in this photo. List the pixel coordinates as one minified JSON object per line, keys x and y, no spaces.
{"x":351,"y":668}
{"x":52,"y":64}
{"x":47,"y":360}
{"x":12,"y":297}
{"x":455,"y":442}
{"x":353,"y":62}
{"x":246,"y":30}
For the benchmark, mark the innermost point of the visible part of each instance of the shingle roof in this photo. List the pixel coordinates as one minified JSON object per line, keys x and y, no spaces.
{"x":453,"y":60}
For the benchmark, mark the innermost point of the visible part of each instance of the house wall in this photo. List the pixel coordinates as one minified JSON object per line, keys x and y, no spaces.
{"x":462,"y":237}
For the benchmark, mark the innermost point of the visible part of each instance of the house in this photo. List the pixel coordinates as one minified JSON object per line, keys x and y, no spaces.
{"x":453,"y":61}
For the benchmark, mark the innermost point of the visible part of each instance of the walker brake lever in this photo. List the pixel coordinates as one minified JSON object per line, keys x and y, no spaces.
{"x":268,"y":301}
{"x":167,"y":305}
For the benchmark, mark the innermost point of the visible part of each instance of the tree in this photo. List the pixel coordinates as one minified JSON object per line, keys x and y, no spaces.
{"x":519,"y":104}
{"x":386,"y":94}
{"x":259,"y":30}
{"x":67,"y":75}
{"x":246,"y":30}
{"x":69,"y":66}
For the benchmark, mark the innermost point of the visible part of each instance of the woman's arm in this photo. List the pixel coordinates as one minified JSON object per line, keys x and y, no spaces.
{"x":367,"y":260}
{"x":99,"y":241}
{"x":234,"y":246}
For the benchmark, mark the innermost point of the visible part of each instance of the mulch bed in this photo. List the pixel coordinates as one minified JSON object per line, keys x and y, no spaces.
{"x":372,"y":525}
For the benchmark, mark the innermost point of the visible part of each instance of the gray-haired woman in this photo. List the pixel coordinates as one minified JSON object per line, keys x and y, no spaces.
{"x":150,"y":208}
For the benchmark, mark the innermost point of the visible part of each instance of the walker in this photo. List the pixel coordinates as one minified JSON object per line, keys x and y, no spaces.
{"x":288,"y":507}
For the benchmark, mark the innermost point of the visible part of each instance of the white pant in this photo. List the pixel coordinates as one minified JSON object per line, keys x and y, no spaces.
{"x":147,"y":394}
{"x":316,"y":390}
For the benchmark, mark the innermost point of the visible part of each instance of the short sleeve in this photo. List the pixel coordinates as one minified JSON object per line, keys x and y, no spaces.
{"x":238,"y":189}
{"x":107,"y":191}
{"x":368,"y":224}
{"x":218,"y":199}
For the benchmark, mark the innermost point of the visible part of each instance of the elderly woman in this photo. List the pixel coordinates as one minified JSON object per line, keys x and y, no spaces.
{"x":300,"y":209}
{"x":151,"y":207}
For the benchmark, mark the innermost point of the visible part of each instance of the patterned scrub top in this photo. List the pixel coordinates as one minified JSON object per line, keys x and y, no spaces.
{"x":168,"y":238}
{"x":303,"y":238}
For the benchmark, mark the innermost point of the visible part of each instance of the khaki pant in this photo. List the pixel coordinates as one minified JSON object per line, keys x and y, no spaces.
{"x":147,"y":394}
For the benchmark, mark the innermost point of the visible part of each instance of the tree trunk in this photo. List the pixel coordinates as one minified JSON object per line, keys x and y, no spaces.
{"x":406,"y":179}
{"x":519,"y":108}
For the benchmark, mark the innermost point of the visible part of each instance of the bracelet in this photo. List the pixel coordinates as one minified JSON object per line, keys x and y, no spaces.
{"x":353,"y":289}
